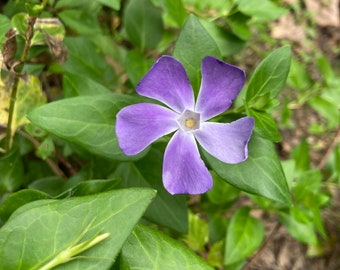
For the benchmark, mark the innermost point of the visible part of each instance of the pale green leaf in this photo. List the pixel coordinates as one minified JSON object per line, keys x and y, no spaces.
{"x":244,"y":235}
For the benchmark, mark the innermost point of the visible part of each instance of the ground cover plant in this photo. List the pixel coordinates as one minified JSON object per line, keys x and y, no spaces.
{"x":169,"y":134}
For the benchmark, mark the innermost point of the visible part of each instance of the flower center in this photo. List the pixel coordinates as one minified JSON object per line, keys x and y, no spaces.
{"x":189,"y":121}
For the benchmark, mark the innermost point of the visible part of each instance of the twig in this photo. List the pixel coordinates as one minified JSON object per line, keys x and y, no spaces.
{"x":329,"y":150}
{"x":15,"y":83}
{"x":259,"y":252}
{"x":54,"y":167}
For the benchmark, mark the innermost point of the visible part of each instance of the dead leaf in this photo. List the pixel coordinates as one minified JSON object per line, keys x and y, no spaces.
{"x":286,"y":28}
{"x":326,"y":12}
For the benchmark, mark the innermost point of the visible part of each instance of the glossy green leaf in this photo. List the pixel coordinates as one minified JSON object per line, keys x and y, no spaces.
{"x":193,"y":44}
{"x":143,"y":23}
{"x":167,"y":210}
{"x":150,"y":249}
{"x":79,"y":85}
{"x":244,"y":235}
{"x":270,"y":75}
{"x":87,"y":121}
{"x":260,"y":174}
{"x":265,"y":125}
{"x":53,"y":227}
{"x":264,"y":10}
{"x":12,"y":171}
{"x":18,"y":199}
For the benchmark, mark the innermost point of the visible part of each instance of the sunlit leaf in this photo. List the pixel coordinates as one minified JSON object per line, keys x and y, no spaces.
{"x":52,"y":227}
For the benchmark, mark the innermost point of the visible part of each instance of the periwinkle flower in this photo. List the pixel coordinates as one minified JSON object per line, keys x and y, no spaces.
{"x":139,"y":125}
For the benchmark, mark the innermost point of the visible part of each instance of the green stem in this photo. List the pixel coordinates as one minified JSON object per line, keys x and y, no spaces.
{"x":16,"y":77}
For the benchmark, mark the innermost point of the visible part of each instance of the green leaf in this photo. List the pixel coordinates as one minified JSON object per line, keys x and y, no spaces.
{"x":298,"y":76}
{"x":299,"y":225}
{"x":260,"y":174}
{"x":300,"y":154}
{"x":174,"y":11}
{"x":193,"y":44}
{"x":114,"y":4}
{"x":150,"y":249}
{"x":136,"y":66}
{"x":265,"y":125}
{"x":327,"y":109}
{"x":18,"y":199}
{"x":84,"y":22}
{"x":19,"y":22}
{"x":143,"y":23}
{"x":87,"y":121}
{"x":85,"y":59}
{"x":198,"y":234}
{"x":244,"y":235}
{"x":5,"y":25}
{"x":12,"y":171}
{"x":222,"y":192}
{"x":228,"y":43}
{"x":270,"y":75}
{"x":264,"y":10}
{"x":167,"y":210}
{"x":46,"y":148}
{"x":53,"y":227}
{"x":238,"y":23}
{"x":78,"y":85}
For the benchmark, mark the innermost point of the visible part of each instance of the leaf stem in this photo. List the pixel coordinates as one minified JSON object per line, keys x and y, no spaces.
{"x":15,"y":78}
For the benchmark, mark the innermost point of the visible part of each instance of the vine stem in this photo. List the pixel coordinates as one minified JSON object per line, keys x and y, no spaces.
{"x":259,"y":252}
{"x":15,"y":83}
{"x":329,"y":150}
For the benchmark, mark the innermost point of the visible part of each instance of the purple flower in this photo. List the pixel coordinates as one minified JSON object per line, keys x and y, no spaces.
{"x":141,"y":124}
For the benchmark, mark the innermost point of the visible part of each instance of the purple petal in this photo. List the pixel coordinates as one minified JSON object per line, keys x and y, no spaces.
{"x":226,"y":142}
{"x":139,"y":125}
{"x":221,"y":83}
{"x":183,"y":169}
{"x":167,"y":82}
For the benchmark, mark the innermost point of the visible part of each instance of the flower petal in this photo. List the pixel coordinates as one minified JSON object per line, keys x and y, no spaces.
{"x":168,"y":82}
{"x":183,"y":169}
{"x":226,"y":142}
{"x":139,"y":125}
{"x":220,"y":84}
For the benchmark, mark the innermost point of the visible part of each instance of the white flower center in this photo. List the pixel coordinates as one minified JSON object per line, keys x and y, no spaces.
{"x":189,"y":120}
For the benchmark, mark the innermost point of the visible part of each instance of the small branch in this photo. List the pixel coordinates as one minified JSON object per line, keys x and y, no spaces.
{"x":54,"y":167}
{"x":329,"y":150}
{"x":16,"y":78}
{"x":259,"y":252}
